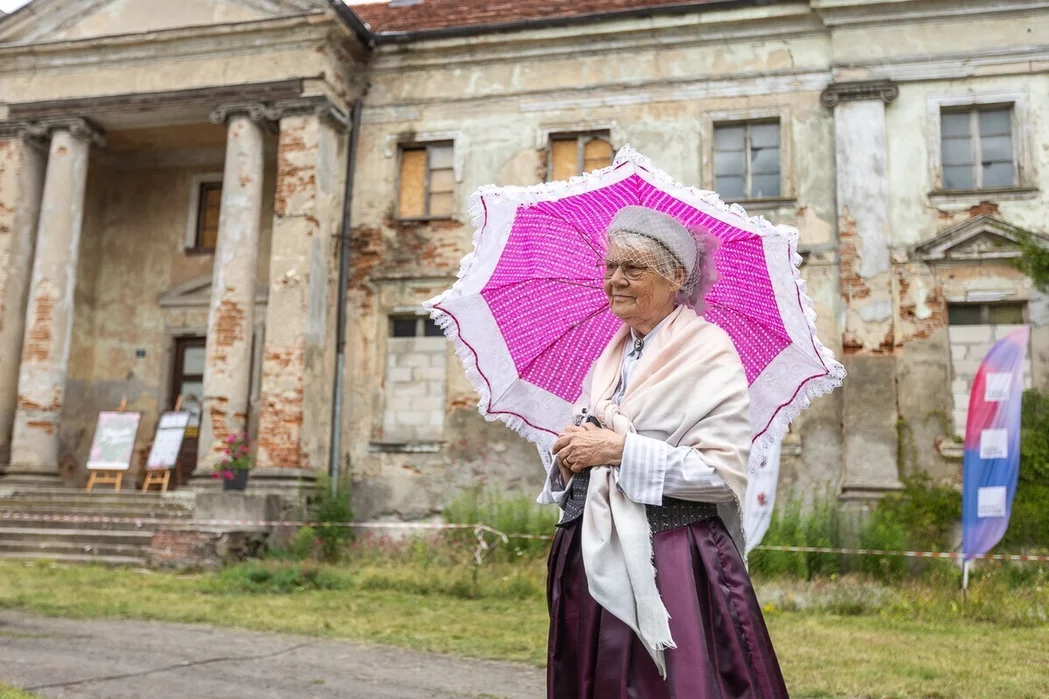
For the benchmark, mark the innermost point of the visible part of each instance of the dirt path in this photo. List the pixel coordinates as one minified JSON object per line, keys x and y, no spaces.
{"x":152,"y":660}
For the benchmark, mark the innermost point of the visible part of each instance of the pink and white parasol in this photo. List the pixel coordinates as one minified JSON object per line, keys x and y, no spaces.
{"x":528,"y":315}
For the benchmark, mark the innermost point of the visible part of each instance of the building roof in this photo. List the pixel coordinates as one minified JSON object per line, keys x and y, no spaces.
{"x":473,"y":16}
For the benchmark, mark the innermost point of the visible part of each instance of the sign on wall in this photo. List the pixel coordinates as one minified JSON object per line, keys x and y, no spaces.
{"x":168,"y":441}
{"x":114,"y":442}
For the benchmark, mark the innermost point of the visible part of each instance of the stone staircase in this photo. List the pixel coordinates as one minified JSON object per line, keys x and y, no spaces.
{"x":112,"y":543}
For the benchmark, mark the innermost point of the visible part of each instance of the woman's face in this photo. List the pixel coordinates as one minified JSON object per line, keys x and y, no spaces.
{"x":637,"y":293}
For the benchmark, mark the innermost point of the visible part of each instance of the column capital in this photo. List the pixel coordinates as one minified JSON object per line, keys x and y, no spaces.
{"x":256,"y":111}
{"x":42,"y":129}
{"x":885,"y":90}
{"x":319,"y":105}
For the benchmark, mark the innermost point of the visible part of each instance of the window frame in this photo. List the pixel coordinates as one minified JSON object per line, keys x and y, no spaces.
{"x":191,"y":244}
{"x":747,"y":171}
{"x":787,"y":180}
{"x":976,"y":145}
{"x":1026,"y":177}
{"x":421,"y":322}
{"x":427,"y":145}
{"x":582,"y":138}
{"x":985,"y":310}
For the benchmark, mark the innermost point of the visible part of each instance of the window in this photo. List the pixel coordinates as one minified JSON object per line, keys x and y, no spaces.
{"x":427,"y":182}
{"x":746,"y":160}
{"x":977,"y":148}
{"x":209,"y":204}
{"x":416,"y":353}
{"x":414,"y":326}
{"x":573,"y":154}
{"x":987,"y":313}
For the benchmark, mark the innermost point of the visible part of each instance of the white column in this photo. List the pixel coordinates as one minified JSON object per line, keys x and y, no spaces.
{"x":298,"y":363}
{"x":49,"y":316}
{"x":864,"y":243}
{"x":227,"y":373}
{"x":23,"y":160}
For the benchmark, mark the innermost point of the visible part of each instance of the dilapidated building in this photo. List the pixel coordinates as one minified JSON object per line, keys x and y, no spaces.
{"x":189,"y":190}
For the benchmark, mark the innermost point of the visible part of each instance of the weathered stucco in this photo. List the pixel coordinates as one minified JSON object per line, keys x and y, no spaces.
{"x":859,"y":179}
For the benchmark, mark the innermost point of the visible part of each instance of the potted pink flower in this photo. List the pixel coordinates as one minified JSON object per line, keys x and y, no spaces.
{"x":235,"y":464}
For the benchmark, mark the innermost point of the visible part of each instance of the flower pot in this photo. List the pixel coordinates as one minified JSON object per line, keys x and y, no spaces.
{"x":238,"y":482}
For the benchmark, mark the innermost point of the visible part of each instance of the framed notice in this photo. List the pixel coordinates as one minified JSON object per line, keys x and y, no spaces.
{"x":168,"y":441}
{"x":114,"y":442}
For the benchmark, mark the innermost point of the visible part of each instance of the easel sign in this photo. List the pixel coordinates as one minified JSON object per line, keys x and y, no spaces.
{"x":167,"y":444}
{"x":113,"y":446}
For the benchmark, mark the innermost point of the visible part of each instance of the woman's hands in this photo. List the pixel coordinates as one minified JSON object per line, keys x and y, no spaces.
{"x":579,"y":448}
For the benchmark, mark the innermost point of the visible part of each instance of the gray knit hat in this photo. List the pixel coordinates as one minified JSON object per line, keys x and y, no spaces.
{"x":662,"y":228}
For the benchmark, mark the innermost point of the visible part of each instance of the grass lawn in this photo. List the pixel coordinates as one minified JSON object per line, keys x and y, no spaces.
{"x":502,"y":614}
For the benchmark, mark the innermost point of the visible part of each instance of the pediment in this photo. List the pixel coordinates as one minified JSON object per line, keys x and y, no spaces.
{"x":197,"y":292}
{"x":65,"y":20}
{"x":982,"y":237}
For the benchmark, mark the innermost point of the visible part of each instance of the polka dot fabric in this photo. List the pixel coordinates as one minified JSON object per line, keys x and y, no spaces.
{"x":546,"y":292}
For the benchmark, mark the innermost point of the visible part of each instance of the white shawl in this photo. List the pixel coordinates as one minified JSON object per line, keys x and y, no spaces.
{"x":690,"y":388}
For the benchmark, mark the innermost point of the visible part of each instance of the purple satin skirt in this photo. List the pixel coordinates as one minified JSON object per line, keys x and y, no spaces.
{"x":723,"y":646}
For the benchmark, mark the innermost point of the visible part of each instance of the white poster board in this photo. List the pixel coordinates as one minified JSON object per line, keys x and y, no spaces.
{"x":114,"y":441}
{"x":168,"y":441}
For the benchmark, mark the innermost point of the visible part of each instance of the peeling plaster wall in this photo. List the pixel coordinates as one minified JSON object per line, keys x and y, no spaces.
{"x":499,"y":116}
{"x":133,"y":250}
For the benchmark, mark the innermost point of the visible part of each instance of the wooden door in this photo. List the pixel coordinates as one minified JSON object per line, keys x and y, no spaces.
{"x":187,"y":380}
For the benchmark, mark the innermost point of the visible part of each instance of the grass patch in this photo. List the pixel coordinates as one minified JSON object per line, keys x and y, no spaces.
{"x":847,"y":637}
{"x":9,"y":692}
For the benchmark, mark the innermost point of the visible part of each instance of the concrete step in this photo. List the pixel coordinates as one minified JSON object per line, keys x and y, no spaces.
{"x":75,"y":536}
{"x":66,"y":548}
{"x":73,"y":558}
{"x":161,"y":509}
{"x":80,"y":496}
{"x":113,"y":511}
{"x":81,"y":526}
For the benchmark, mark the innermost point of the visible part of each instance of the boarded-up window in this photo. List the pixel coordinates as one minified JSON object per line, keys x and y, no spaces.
{"x":972,"y":330}
{"x":209,"y":204}
{"x":574,"y":154}
{"x":426,"y":182}
{"x":414,"y":389}
{"x":746,"y":160}
{"x":977,"y":148}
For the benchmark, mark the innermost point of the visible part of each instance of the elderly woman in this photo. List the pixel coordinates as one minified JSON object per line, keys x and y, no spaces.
{"x":648,"y":593}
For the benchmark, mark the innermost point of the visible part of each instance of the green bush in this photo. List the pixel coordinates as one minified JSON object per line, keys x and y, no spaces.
{"x":332,"y":505}
{"x":928,"y":514}
{"x":1029,"y":523}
